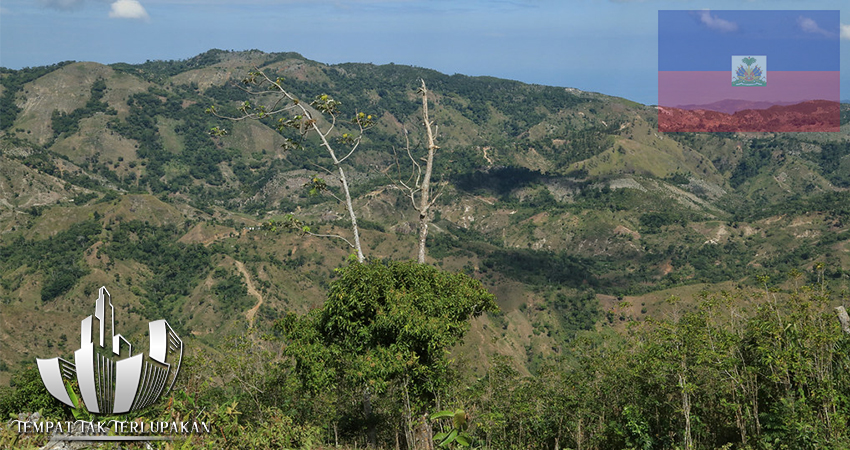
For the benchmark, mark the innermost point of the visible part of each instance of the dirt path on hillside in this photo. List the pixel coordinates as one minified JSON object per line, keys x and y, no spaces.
{"x":251,"y":290}
{"x":487,"y":157}
{"x":206,"y":242}
{"x":218,"y":236}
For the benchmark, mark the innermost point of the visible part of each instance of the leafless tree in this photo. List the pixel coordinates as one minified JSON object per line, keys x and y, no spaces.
{"x":419,"y":184}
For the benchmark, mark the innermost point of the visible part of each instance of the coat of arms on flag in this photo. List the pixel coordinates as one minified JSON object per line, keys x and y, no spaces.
{"x":749,"y":70}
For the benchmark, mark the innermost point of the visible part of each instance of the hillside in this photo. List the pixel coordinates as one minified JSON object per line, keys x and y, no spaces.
{"x":564,"y":203}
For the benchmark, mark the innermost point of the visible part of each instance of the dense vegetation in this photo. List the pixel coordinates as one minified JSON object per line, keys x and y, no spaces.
{"x":199,"y":153}
{"x":745,"y":370}
{"x":57,"y":259}
{"x":175,"y":268}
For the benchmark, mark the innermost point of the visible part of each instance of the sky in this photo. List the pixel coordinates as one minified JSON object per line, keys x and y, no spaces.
{"x":792,"y":40}
{"x":607,"y":46}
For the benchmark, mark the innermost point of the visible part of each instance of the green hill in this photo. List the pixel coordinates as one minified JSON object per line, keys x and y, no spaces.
{"x":558,"y":200}
{"x":653,"y":289}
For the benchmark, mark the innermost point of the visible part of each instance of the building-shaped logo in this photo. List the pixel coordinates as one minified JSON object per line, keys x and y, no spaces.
{"x":119,"y":382}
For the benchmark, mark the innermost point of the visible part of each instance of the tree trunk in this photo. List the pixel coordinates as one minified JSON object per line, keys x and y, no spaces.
{"x":686,"y":409}
{"x":739,"y":421}
{"x":425,"y":199}
{"x":371,"y":433}
{"x":843,"y":318}
{"x":579,"y":437}
{"x":423,"y":435}
{"x":409,"y":437}
{"x":352,"y":215}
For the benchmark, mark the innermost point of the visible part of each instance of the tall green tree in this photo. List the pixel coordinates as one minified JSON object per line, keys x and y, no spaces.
{"x":385,"y":329}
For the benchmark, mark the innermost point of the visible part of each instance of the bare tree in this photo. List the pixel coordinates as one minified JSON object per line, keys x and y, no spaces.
{"x":304,"y":121}
{"x":419,"y":183}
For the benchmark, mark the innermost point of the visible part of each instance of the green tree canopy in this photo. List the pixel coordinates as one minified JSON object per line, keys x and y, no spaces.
{"x":383,"y":321}
{"x":383,"y":325}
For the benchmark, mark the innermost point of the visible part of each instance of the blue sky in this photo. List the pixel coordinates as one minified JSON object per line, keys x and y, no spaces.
{"x":791,"y":40}
{"x":605,"y":46}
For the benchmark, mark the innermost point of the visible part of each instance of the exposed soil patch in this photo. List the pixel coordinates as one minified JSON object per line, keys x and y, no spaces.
{"x":252,"y":291}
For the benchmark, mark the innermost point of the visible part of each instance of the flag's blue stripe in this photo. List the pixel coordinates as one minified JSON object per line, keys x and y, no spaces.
{"x":706,"y":40}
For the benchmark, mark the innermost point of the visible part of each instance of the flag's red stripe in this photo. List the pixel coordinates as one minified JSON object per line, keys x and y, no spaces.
{"x":699,"y":88}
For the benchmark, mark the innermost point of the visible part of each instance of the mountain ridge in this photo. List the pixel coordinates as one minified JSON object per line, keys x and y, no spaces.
{"x":808,"y":116}
{"x":562,"y":202}
{"x":731,"y":106}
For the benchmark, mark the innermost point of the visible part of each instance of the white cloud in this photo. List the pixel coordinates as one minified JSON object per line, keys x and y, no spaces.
{"x":716,"y":23}
{"x":845,"y":32}
{"x":810,"y":26}
{"x":128,"y":9}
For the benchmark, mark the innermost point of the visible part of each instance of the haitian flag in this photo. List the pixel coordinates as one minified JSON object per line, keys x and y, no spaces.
{"x":731,"y":71}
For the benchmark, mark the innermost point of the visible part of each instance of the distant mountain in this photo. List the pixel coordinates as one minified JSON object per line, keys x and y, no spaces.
{"x":816,"y":115}
{"x":731,"y":106}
